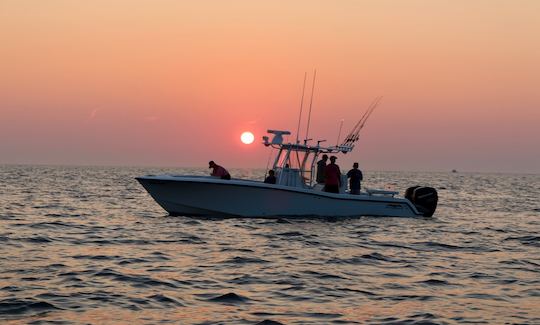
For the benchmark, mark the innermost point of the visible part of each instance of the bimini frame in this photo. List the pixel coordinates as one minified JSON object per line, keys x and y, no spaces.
{"x":297,"y":159}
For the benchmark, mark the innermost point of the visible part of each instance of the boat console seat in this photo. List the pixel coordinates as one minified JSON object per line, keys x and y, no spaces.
{"x":289,"y":177}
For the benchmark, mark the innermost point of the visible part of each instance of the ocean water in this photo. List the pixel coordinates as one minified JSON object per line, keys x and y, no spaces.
{"x":87,"y":245}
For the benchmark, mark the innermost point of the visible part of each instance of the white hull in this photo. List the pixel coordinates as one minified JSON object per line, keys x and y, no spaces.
{"x":209,"y":196}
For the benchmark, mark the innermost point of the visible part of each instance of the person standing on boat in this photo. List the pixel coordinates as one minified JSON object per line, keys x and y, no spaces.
{"x":321,"y":165}
{"x":332,"y":176}
{"x":271,"y":178}
{"x":218,"y":171}
{"x":355,"y":176}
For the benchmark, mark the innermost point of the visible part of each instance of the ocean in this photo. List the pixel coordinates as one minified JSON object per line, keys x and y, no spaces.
{"x":88,"y":245}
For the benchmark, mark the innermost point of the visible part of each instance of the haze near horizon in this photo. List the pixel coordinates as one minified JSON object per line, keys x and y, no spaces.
{"x":169,"y":83}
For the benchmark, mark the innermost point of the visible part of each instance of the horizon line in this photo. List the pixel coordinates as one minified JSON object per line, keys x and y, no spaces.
{"x":261,"y":168}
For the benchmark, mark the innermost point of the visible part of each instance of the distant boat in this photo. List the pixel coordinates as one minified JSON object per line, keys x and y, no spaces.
{"x":454,"y":171}
{"x":295,"y":193}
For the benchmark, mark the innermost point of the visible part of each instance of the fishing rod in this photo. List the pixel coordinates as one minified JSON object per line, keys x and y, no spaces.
{"x":311,"y":103}
{"x":301,"y":107}
{"x":339,"y":133}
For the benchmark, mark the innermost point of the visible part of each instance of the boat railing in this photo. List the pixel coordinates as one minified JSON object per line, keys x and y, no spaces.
{"x":373,"y":192}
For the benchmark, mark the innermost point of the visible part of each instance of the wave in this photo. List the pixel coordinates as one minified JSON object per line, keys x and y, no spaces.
{"x":231,"y":298}
{"x":12,"y":306}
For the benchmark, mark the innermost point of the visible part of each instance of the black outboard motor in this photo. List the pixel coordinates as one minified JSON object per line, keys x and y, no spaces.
{"x":424,"y":199}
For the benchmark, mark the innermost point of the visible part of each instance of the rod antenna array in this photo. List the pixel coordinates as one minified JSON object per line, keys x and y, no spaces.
{"x":353,"y":136}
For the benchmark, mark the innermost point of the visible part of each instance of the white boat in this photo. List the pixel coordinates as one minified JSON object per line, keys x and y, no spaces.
{"x":295,"y":193}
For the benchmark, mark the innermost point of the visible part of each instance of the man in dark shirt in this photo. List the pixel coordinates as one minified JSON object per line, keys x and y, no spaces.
{"x":332,"y":176}
{"x":355,"y":176}
{"x":321,"y":165}
{"x":271,"y":178}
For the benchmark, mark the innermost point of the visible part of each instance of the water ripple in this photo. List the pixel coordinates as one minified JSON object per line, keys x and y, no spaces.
{"x":85,"y":245}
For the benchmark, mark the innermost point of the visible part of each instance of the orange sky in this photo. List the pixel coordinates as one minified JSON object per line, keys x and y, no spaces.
{"x":174,"y":83}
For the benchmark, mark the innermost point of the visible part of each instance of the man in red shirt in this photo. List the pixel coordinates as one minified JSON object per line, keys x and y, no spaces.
{"x":218,"y":171}
{"x":332,"y":176}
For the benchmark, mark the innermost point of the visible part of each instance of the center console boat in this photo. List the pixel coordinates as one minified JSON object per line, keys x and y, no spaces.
{"x":295,"y":193}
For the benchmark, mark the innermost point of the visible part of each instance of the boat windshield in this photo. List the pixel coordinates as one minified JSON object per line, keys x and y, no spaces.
{"x":299,"y":159}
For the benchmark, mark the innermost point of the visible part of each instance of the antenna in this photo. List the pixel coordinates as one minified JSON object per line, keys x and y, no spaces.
{"x":339,"y":133}
{"x":301,"y":106}
{"x":311,"y":101}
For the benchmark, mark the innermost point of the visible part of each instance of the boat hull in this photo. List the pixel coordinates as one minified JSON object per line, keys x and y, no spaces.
{"x":208,"y":196}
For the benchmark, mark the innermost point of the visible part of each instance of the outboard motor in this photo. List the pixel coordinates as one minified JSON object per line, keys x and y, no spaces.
{"x":424,"y":199}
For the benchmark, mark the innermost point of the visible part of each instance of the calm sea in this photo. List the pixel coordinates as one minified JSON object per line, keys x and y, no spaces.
{"x":87,"y":245}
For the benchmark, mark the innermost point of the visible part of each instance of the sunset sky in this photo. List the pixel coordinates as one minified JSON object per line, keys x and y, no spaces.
{"x":175,"y":83}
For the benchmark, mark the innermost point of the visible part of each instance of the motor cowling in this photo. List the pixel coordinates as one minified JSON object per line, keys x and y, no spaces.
{"x":424,"y":199}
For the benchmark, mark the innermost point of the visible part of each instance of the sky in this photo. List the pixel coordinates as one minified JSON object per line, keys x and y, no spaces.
{"x":175,"y":83}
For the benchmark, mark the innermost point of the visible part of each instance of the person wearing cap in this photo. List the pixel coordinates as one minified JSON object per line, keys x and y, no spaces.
{"x":355,"y":176}
{"x":321,"y":164}
{"x":332,"y":176}
{"x":218,"y":171}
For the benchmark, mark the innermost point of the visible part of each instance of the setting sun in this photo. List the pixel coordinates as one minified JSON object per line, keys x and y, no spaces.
{"x":247,"y":137}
